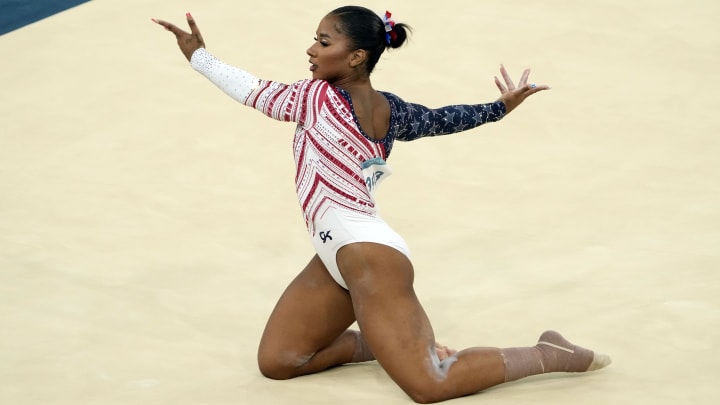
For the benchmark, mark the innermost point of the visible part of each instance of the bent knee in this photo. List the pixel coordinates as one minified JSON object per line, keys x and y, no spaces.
{"x":426,"y":395}
{"x":281,"y":367}
{"x":424,"y":391}
{"x":275,"y":372}
{"x":422,"y":397}
{"x":271,"y":368}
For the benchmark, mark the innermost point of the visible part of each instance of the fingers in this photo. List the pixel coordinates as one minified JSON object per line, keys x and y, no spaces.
{"x":506,"y":77}
{"x":524,"y":89}
{"x":194,"y":30}
{"x":521,"y":93}
{"x":170,"y":27}
{"x":188,"y":42}
{"x":443,"y":351}
{"x":533,"y":88}
{"x":514,"y":98}
{"x":524,"y":77}
{"x":191,"y":22}
{"x":163,"y":23}
{"x":500,"y":86}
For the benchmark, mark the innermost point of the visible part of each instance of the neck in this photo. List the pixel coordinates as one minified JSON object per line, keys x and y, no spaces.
{"x":356,"y":88}
{"x":355,"y":84}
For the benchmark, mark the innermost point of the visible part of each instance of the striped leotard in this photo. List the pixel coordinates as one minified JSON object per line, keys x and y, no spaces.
{"x":338,"y":166}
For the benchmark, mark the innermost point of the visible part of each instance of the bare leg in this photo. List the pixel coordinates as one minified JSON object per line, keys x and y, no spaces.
{"x":307,"y":330}
{"x":398,"y":331}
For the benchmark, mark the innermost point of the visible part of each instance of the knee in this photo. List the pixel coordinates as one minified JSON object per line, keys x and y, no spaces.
{"x":272,"y":368}
{"x":424,"y":396}
{"x":280,"y":367}
{"x":428,"y":392}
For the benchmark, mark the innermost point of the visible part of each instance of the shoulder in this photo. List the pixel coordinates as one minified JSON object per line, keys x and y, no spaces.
{"x":315,"y":87}
{"x":405,"y":112}
{"x":305,"y":84}
{"x":392,"y":98}
{"x":400,"y":104}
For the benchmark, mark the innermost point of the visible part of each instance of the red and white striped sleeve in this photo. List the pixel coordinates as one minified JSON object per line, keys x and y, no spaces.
{"x":280,"y":101}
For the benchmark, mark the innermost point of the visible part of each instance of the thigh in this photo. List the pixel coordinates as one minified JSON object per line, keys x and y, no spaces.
{"x":391,"y":318}
{"x":312,"y":312}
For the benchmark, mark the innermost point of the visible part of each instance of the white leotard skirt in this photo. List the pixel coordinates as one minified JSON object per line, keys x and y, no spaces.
{"x":338,"y":227}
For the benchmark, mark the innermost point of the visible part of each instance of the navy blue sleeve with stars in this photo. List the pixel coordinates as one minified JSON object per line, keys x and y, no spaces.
{"x":413,"y":121}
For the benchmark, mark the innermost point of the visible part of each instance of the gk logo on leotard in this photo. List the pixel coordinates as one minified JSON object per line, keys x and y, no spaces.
{"x":325,"y":236}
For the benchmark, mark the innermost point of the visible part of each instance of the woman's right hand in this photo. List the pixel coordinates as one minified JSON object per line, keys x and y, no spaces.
{"x":188,"y":42}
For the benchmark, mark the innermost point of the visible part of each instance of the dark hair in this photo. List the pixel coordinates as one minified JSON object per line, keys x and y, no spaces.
{"x":366,"y":30}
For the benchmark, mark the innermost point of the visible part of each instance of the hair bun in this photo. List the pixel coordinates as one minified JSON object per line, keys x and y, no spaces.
{"x":395,"y":34}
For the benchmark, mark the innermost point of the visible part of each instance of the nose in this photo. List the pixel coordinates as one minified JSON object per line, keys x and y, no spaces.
{"x":311,"y":51}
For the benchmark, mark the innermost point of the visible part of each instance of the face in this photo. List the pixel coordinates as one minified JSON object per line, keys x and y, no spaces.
{"x":331,"y":56}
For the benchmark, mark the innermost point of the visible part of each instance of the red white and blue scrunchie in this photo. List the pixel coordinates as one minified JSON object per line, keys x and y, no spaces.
{"x":390,"y":34}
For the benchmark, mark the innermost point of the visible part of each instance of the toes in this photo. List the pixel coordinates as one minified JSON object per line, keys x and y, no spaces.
{"x":599,"y":361}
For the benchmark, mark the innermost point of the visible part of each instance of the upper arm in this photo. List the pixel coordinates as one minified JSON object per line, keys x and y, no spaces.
{"x":283,"y":102}
{"x":277,"y":100}
{"x":418,"y":121}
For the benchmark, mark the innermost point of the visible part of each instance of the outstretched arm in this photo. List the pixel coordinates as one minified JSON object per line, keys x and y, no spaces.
{"x":277,"y":100}
{"x":418,"y":121}
{"x":512,"y":96}
{"x":233,"y":81}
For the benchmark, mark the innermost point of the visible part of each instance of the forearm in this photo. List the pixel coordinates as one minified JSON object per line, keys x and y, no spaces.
{"x":233,"y":81}
{"x":465,"y":117}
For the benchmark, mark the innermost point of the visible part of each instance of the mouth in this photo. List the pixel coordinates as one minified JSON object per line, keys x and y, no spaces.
{"x":313,"y":67}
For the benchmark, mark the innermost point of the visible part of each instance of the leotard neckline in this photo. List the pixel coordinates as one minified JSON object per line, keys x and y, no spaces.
{"x":390,"y":132}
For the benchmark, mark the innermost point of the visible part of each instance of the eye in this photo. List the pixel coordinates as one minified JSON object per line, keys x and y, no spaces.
{"x":321,"y":43}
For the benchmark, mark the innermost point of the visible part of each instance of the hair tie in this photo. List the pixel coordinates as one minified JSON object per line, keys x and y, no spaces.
{"x":390,"y":34}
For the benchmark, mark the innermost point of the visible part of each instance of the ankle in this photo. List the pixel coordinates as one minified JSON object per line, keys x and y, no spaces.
{"x":362,"y":351}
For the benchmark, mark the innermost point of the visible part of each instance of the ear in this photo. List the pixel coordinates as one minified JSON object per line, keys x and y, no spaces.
{"x":358,"y":58}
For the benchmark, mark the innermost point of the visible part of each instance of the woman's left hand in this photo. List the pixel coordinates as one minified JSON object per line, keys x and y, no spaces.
{"x":512,"y":96}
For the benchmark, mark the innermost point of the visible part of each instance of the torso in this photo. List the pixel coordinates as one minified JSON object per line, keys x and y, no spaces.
{"x":340,"y":153}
